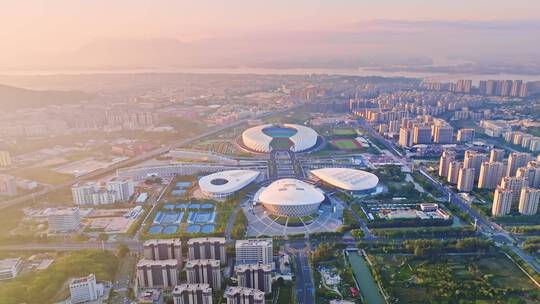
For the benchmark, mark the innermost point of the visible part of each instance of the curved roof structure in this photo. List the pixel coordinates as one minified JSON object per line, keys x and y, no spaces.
{"x":347,"y":179}
{"x":291,"y":197}
{"x":259,"y":140}
{"x":225,"y":183}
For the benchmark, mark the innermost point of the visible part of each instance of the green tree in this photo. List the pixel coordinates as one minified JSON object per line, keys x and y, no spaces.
{"x":122,"y":250}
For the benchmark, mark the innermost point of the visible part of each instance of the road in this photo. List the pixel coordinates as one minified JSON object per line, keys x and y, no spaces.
{"x":367,"y":234}
{"x":484,"y":224}
{"x":305,"y":290}
{"x":134,"y":246}
{"x":135,"y":160}
{"x":230,"y":220}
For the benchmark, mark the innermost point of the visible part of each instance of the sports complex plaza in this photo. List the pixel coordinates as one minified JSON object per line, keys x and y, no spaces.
{"x":288,"y":191}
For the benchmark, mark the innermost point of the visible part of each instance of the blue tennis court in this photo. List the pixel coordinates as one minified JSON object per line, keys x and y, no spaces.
{"x":181,"y":206}
{"x":201,"y":217}
{"x":178,"y":192}
{"x":172,"y":217}
{"x":155,"y":229}
{"x":194,"y":206}
{"x":168,"y":207}
{"x":209,"y":228}
{"x":207,"y":206}
{"x":183,"y":184}
{"x":170,"y":229}
{"x":158,"y":218}
{"x":193,"y":228}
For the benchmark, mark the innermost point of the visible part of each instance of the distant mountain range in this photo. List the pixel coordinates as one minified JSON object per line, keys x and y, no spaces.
{"x":12,"y":98}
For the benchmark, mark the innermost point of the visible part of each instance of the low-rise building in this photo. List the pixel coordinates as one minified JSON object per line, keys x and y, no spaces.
{"x":83,"y":289}
{"x":64,"y":220}
{"x":10,"y":268}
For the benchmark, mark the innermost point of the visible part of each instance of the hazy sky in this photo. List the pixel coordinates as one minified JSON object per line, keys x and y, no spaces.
{"x":54,"y":26}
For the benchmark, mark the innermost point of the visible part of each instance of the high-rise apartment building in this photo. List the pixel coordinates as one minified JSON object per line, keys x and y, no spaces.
{"x":157,"y":274}
{"x":254,"y":251}
{"x":204,"y":271}
{"x":421,"y":134}
{"x":192,"y":294}
{"x":122,"y":187}
{"x":207,"y":248}
{"x":490,"y":175}
{"x":528,"y":201}
{"x":502,"y":202}
{"x":163,"y":249}
{"x":465,"y":135}
{"x":405,"y":137}
{"x":516,"y":160}
{"x":453,"y":171}
{"x":514,"y":184}
{"x":531,"y":172}
{"x":443,"y":134}
{"x":444,"y":162}
{"x":83,"y":193}
{"x":83,"y":289}
{"x":466,"y":179}
{"x":496,"y":155}
{"x":258,"y":276}
{"x":8,"y":185}
{"x":243,"y":295}
{"x":5,"y":159}
{"x":473,"y":160}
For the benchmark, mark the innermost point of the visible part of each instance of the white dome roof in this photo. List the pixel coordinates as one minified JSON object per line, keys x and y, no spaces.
{"x":255,"y":139}
{"x":291,"y":197}
{"x":226,"y":182}
{"x":347,"y":179}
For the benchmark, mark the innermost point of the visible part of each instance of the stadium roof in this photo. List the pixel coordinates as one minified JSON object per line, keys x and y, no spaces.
{"x":289,"y":191}
{"x":255,"y":139}
{"x":347,"y":179}
{"x":226,"y":182}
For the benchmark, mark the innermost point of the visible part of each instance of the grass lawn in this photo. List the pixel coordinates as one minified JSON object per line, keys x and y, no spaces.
{"x":344,"y":132}
{"x":46,"y":285}
{"x":346,"y":144}
{"x":450,"y":279}
{"x":42,"y":175}
{"x":285,"y":295}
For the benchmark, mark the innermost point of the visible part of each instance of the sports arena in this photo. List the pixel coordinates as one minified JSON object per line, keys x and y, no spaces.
{"x":225,"y":183}
{"x":353,"y":180}
{"x":290,"y":197}
{"x":269,"y":137}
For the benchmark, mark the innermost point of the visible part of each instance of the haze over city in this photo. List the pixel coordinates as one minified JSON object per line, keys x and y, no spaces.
{"x":63,"y":35}
{"x":257,"y":152}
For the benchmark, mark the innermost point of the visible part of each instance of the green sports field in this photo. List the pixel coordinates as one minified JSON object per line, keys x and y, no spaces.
{"x":346,"y":144}
{"x":344,"y":132}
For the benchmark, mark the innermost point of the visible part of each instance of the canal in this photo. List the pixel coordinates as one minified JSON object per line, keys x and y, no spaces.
{"x":368,"y":287}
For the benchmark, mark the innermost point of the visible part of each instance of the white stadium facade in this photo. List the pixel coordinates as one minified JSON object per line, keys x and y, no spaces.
{"x":290,"y":197}
{"x":225,"y":183}
{"x":259,"y":138}
{"x":353,"y":180}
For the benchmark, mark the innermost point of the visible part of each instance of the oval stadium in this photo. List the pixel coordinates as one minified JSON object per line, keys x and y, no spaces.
{"x":291,"y":197}
{"x":265,"y":138}
{"x":225,"y":183}
{"x":353,"y":180}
